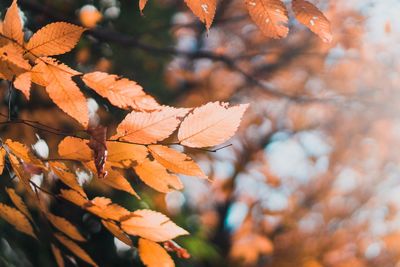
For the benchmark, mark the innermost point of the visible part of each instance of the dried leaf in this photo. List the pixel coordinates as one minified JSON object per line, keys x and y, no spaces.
{"x":16,"y":219}
{"x":175,"y":161}
{"x":54,"y":39}
{"x":12,"y":24}
{"x":57,"y":255}
{"x":151,"y":225}
{"x":65,"y":226}
{"x":310,"y":16}
{"x":74,"y":248}
{"x":154,"y":255}
{"x":148,"y":128}
{"x":210,"y":125}
{"x":270,"y":16}
{"x":97,"y":143}
{"x":23,"y":83}
{"x":117,"y":232}
{"x":120,"y":92}
{"x":19,"y":203}
{"x":156,"y":176}
{"x":204,"y":10}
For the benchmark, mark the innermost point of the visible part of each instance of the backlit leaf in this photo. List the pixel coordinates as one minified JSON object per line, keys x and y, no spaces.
{"x":203,"y":9}
{"x":68,"y":178}
{"x":16,"y":219}
{"x":12,"y":24}
{"x":23,"y":83}
{"x":117,"y":232}
{"x":57,"y":255}
{"x":74,"y":248}
{"x":64,"y":226}
{"x":154,"y":255}
{"x":18,"y":202}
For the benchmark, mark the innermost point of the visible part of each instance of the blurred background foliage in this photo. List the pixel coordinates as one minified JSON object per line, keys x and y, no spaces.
{"x":312,"y":179}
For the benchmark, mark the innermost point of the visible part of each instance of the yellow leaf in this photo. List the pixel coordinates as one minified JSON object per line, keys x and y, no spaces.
{"x":54,"y":39}
{"x":121,"y":92}
{"x":154,"y":255}
{"x":74,"y":248}
{"x":17,"y":219}
{"x":2,"y":159}
{"x":270,"y":16}
{"x":151,"y":225}
{"x":12,"y":25}
{"x":68,"y":178}
{"x":203,"y":9}
{"x":175,"y":161}
{"x":210,"y":125}
{"x":57,"y":255}
{"x":18,"y":202}
{"x":148,"y":128}
{"x":156,"y":176}
{"x":64,"y":92}
{"x":65,"y":226}
{"x":310,"y":16}
{"x":117,"y":232}
{"x":23,"y":83}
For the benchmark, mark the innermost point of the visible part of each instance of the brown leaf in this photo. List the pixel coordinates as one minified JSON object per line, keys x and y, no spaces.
{"x":54,"y":39}
{"x":210,"y":125}
{"x":156,"y":176}
{"x":142,"y":5}
{"x":154,"y":255}
{"x":151,"y":225}
{"x":74,"y":248}
{"x":97,"y":143}
{"x":16,"y":219}
{"x":270,"y":16}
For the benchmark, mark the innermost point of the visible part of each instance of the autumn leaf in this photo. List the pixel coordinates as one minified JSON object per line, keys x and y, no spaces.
{"x":2,"y":159}
{"x":148,"y":128}
{"x":117,"y":232}
{"x":151,"y":225}
{"x":142,"y":5}
{"x":154,"y":255}
{"x":73,"y":197}
{"x":270,"y":16}
{"x":310,"y":16}
{"x":19,"y":171}
{"x":121,"y":92}
{"x":74,"y":148}
{"x":74,"y":248}
{"x":12,"y":53}
{"x":65,"y":226}
{"x":105,"y":209}
{"x":54,"y":39}
{"x":204,"y":10}
{"x":12,"y":24}
{"x":18,"y":202}
{"x":16,"y":219}
{"x":57,"y":255}
{"x":123,"y":155}
{"x":98,"y":145}
{"x":68,"y":178}
{"x":210,"y":125}
{"x":23,"y":83}
{"x":63,"y":91}
{"x":175,"y":161}
{"x":156,"y":176}
{"x":22,"y":152}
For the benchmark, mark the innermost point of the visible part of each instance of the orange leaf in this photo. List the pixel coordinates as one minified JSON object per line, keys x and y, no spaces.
{"x":117,"y":232}
{"x":22,"y":152}
{"x":156,"y":176}
{"x":65,"y":226}
{"x":2,"y":159}
{"x":104,"y":208}
{"x":74,"y":148}
{"x":148,"y":128}
{"x":210,"y":125}
{"x":57,"y":255}
{"x":17,"y":219}
{"x":203,"y":9}
{"x":19,"y":171}
{"x":23,"y":83}
{"x":120,"y":92}
{"x":74,"y":248}
{"x":310,"y":16}
{"x":12,"y":53}
{"x":64,"y":92}
{"x":74,"y":197}
{"x":151,"y":225}
{"x":154,"y":255}
{"x":68,"y":178}
{"x":270,"y":16}
{"x":175,"y":161}
{"x":124,"y":155}
{"x":54,"y":39}
{"x":18,"y":202}
{"x":12,"y":26}
{"x":142,"y":5}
